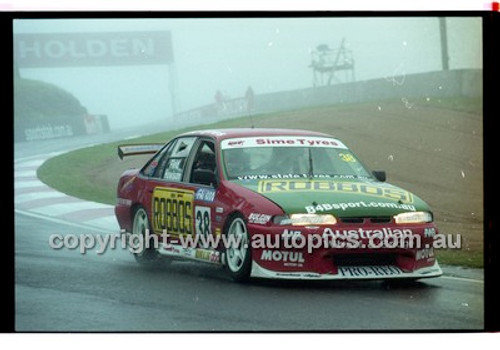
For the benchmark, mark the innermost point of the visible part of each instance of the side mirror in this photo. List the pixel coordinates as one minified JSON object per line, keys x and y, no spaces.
{"x":379,"y":175}
{"x":204,"y":177}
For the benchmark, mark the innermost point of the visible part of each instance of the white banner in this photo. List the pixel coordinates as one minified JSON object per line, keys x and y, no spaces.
{"x":282,"y":141}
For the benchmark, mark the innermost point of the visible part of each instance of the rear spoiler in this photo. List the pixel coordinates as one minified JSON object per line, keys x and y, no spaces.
{"x":137,"y":149}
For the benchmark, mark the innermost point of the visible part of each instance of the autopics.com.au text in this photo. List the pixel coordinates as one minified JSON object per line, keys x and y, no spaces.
{"x":289,"y":239}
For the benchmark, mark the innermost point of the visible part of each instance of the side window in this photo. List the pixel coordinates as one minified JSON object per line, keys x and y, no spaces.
{"x":175,"y":161}
{"x":204,"y":165}
{"x":160,"y":169}
{"x":152,"y":167}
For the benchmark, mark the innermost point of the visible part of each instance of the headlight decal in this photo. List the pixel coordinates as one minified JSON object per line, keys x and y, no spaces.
{"x":305,"y":219}
{"x":416,"y":217}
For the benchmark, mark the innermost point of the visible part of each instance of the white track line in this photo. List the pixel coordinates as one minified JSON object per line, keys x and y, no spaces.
{"x":64,"y":208}
{"x":62,"y":221}
{"x":463,"y":279}
{"x":24,"y":173}
{"x":43,"y":157}
{"x":25,"y":184}
{"x":109,"y":222}
{"x":132,"y":137}
{"x":26,"y":197}
{"x":37,"y":162}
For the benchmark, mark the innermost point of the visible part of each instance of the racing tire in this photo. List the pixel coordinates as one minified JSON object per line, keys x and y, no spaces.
{"x":238,"y":258}
{"x":149,"y":256}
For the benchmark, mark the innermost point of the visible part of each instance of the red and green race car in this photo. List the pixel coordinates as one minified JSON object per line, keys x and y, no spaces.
{"x":273,"y":203}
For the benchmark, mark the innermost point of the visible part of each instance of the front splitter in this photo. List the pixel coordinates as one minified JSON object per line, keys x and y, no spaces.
{"x":353,"y":273}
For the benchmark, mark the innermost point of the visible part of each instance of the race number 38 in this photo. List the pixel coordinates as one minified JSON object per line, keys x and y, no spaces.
{"x":172,"y":211}
{"x":203,"y":221}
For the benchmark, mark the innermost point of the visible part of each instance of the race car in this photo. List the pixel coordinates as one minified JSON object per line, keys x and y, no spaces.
{"x":273,"y":203}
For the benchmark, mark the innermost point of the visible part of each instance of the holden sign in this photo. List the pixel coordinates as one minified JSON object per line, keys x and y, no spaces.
{"x":92,"y":49}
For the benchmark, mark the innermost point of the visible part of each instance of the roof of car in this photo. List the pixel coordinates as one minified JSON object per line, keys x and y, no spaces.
{"x":221,"y":134}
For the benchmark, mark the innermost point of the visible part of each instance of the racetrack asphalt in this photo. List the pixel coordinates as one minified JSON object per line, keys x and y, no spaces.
{"x":63,"y":290}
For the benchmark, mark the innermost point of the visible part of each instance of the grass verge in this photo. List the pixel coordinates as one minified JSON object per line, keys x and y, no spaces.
{"x":460,"y":257}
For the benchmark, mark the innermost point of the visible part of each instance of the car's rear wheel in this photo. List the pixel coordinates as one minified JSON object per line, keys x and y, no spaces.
{"x":238,"y":254}
{"x":148,"y":256}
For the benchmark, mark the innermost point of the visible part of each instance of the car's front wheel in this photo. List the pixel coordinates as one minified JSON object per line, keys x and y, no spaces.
{"x":238,"y":252}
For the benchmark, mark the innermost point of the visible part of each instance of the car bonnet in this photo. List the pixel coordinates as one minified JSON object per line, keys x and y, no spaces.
{"x":343,"y":198}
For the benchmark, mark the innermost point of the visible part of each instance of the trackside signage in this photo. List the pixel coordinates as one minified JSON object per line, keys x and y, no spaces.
{"x":92,"y":49}
{"x":282,"y":141}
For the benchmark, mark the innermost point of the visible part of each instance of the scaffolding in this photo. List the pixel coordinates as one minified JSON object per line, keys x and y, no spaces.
{"x":326,"y":64}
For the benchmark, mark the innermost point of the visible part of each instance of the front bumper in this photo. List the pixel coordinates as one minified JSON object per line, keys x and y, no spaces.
{"x":359,"y":263}
{"x":351,"y":273}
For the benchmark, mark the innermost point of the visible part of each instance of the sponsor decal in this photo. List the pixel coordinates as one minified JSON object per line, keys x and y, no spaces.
{"x":424,"y":254}
{"x":123,"y":201}
{"x":369,"y":271}
{"x":203,"y":220}
{"x":212,"y":256}
{"x":173,"y":176}
{"x":296,"y":176}
{"x":267,"y":186}
{"x":236,"y":143}
{"x":298,"y":275}
{"x":429,"y":232}
{"x":93,"y":49}
{"x":262,"y":219}
{"x":172,"y":249}
{"x":217,"y":231}
{"x":208,"y":255}
{"x":282,"y":256}
{"x":205,"y":194}
{"x":363,"y":233}
{"x":187,"y":251}
{"x":48,"y":132}
{"x":347,"y":157}
{"x":172,"y":211}
{"x":175,"y":163}
{"x":312,"y":209}
{"x":219,"y":210}
{"x":282,"y":141}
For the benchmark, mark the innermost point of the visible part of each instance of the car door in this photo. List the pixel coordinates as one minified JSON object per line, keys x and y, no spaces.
{"x":202,"y":179}
{"x":171,"y":198}
{"x":183,"y":192}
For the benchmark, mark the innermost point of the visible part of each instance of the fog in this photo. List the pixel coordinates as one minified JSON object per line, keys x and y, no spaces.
{"x":268,"y":54}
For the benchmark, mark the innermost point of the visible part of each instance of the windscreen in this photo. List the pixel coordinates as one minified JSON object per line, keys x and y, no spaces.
{"x":275,"y":158}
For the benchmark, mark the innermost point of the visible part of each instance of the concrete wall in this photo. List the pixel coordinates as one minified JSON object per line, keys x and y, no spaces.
{"x":435,"y":84}
{"x":463,"y":82}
